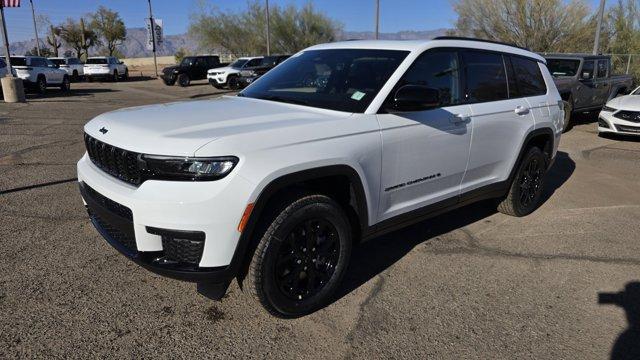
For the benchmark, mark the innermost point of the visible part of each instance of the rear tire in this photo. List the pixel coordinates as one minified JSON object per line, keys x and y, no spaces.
{"x":125,"y":77}
{"x":568,"y":112}
{"x":41,"y":85}
{"x":75,"y":76}
{"x":301,"y":258}
{"x":114,"y":77}
{"x":183,"y":80}
{"x":526,"y":187}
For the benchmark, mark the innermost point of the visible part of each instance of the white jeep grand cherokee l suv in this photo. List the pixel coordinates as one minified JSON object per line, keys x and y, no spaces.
{"x":105,"y":67}
{"x":340,"y":143}
{"x":228,"y":76}
{"x":38,"y":73}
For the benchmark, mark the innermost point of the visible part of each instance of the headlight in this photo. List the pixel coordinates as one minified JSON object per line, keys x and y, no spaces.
{"x":608,"y":109}
{"x":187,"y":168}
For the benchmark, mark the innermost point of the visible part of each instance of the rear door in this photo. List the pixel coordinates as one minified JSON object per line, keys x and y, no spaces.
{"x":602,"y":82}
{"x":501,"y":117}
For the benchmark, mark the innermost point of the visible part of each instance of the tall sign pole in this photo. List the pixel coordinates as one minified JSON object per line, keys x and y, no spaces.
{"x":268,"y":32}
{"x":35,"y":27}
{"x":377,"y":19}
{"x":596,"y":43}
{"x":5,"y":38}
{"x":153,"y":38}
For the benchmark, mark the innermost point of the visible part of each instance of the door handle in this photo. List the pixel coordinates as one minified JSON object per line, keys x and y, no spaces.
{"x":521,"y":110}
{"x":460,"y":118}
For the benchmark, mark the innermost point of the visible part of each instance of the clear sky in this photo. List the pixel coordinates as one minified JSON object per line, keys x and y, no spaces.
{"x":355,"y":15}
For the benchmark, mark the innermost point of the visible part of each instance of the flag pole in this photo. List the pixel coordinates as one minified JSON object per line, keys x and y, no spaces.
{"x":153,"y":37}
{"x":6,"y":39}
{"x":35,"y":27}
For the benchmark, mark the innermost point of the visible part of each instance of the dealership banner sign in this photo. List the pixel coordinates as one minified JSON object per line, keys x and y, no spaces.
{"x":157,"y":29}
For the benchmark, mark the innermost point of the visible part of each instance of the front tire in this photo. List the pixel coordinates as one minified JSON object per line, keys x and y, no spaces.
{"x":41,"y":85}
{"x":114,"y":77}
{"x":184,"y":80}
{"x":75,"y":76}
{"x":526,"y":187}
{"x":232,"y":83}
{"x":301,"y":257}
{"x":66,"y":84}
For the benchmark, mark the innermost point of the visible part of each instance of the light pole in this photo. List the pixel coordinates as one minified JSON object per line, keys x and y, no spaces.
{"x":268,"y":31}
{"x":596,"y":43}
{"x":152,"y":25}
{"x":35,"y":27}
{"x":6,"y":39}
{"x":377,"y":19}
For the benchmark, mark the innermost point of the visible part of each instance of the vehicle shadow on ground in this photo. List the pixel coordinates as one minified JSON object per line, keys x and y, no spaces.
{"x":58,"y":94}
{"x":376,"y":255}
{"x":627,"y":345}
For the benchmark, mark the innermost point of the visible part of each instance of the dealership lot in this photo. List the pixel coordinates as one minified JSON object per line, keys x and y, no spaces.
{"x":469,"y":284}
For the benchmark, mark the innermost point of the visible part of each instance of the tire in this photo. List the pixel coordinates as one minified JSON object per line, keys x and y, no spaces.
{"x":232,"y":83}
{"x":75,"y":76}
{"x":114,"y":77}
{"x":568,"y":112}
{"x":184,"y":80}
{"x":527,"y":185}
{"x":66,"y":84}
{"x":89,"y":78}
{"x":41,"y":85}
{"x":169,"y":82}
{"x":125,"y":77}
{"x":310,"y":267}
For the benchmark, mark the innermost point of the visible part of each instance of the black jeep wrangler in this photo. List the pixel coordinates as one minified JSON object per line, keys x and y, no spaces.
{"x":190,"y":68}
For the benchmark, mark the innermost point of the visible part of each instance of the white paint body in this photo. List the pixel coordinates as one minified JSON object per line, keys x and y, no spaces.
{"x":32,"y":70}
{"x":221,"y":75}
{"x":273,"y":139}
{"x":70,"y":65}
{"x":103,"y":70}
{"x":616,"y":124}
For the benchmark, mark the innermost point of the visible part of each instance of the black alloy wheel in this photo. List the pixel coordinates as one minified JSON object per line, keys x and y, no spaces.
{"x":530,"y":182}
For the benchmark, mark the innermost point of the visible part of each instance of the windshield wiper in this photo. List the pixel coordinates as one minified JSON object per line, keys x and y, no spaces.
{"x":284,"y":100}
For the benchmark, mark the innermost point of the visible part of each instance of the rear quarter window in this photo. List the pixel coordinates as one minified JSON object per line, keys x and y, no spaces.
{"x":18,"y":61}
{"x":528,"y":77}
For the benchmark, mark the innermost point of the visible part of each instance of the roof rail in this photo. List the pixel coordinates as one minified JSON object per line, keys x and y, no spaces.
{"x":480,"y":40}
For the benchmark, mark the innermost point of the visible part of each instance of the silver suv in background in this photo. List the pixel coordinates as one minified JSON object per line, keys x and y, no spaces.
{"x":105,"y":67}
{"x":38,"y":73}
{"x":73,"y":66}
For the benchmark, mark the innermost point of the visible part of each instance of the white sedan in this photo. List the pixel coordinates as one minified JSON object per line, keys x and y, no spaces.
{"x":621,"y":115}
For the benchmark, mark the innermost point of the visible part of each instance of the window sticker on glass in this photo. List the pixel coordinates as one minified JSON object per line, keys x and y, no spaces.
{"x":358,"y":95}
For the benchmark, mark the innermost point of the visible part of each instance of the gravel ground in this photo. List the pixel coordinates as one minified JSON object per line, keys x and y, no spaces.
{"x":472,"y":283}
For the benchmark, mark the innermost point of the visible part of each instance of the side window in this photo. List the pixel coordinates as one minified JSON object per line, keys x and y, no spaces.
{"x":38,"y":62}
{"x":528,"y":76}
{"x":603,"y":68}
{"x":200,"y":62}
{"x":587,"y":70}
{"x":438,"y":70}
{"x":253,"y":62}
{"x":485,"y":76}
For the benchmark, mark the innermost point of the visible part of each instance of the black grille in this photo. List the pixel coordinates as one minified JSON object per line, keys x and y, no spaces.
{"x":632,"y":116}
{"x":117,"y":162}
{"x":109,"y":204}
{"x":182,"y":250}
{"x":126,"y":240}
{"x":625,"y":128}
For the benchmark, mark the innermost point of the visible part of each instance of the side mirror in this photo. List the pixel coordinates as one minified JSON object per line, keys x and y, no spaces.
{"x":415,"y":98}
{"x":121,"y":62}
{"x":585,"y":76}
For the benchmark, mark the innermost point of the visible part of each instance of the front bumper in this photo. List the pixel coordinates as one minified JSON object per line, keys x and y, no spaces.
{"x":607,"y":123}
{"x":138,"y":220}
{"x":219,"y":79}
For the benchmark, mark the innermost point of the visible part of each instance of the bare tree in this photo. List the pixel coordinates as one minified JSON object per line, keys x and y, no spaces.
{"x":541,"y":25}
{"x":110,"y":27}
{"x":52,"y":39}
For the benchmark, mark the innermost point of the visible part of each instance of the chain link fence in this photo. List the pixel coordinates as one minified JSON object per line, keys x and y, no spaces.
{"x":626,"y":64}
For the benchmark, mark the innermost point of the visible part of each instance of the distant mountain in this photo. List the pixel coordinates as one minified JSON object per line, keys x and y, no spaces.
{"x":135,"y":46}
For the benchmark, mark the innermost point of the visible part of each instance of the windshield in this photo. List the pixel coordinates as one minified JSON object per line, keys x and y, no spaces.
{"x":188,"y":61}
{"x":563,"y":67}
{"x":337,"y":79}
{"x":57,"y":61}
{"x":96,"y":61}
{"x":238,"y":64}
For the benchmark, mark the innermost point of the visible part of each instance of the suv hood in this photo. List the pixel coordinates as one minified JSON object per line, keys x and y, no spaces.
{"x":626,"y":102}
{"x":181,"y":128}
{"x":222,"y":69}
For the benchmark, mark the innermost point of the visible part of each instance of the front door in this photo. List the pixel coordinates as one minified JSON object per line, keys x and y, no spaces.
{"x":587,"y":93}
{"x":425,"y":153}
